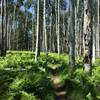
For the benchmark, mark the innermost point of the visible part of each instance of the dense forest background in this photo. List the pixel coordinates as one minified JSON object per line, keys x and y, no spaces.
{"x":51,"y":38}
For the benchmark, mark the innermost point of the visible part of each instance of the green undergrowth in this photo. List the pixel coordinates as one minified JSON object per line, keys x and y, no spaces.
{"x":79,"y":85}
{"x":21,"y":78}
{"x":32,"y":83}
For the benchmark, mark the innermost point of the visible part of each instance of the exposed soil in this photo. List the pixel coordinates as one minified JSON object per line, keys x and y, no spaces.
{"x":60,"y":92}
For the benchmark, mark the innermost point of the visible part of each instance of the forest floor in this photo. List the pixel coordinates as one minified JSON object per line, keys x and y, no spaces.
{"x":21,"y":78}
{"x":60,"y":92}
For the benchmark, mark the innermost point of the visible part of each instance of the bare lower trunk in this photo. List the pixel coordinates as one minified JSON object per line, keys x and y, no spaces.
{"x":58,"y":28}
{"x":2,"y":29}
{"x":87,"y":36}
{"x":44,"y":29}
{"x":94,"y":44}
{"x":50,"y":48}
{"x":72,"y":34}
{"x":5,"y":36}
{"x":37,"y":34}
{"x":98,"y":30}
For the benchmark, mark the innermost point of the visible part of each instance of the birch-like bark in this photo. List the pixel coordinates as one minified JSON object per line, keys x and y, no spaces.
{"x":87,"y":36}
{"x":9,"y":33}
{"x":94,"y":43}
{"x":64,"y":40}
{"x":50,"y":49}
{"x":33,"y":35}
{"x":37,"y":34}
{"x":98,"y":30}
{"x":76,"y":32}
{"x":14,"y":17}
{"x":44,"y":28}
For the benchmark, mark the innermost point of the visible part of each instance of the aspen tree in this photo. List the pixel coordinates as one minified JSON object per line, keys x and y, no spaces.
{"x":37,"y":34}
{"x":87,"y":36}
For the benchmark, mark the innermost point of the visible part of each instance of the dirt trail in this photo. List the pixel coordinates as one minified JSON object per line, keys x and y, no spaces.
{"x":60,"y":92}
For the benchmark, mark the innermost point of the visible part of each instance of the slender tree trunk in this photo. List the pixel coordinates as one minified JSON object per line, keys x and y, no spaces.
{"x":9,"y":34}
{"x":14,"y":17}
{"x":8,"y":26}
{"x":50,"y":30}
{"x":44,"y":29}
{"x":94,"y":43}
{"x":26,"y":33}
{"x":37,"y":34}
{"x":64,"y":40}
{"x":72,"y":34}
{"x":76,"y":31}
{"x":5,"y":36}
{"x":98,"y":29}
{"x":2,"y":29}
{"x":33,"y":34}
{"x":87,"y":36}
{"x":56,"y":25}
{"x":58,"y":29}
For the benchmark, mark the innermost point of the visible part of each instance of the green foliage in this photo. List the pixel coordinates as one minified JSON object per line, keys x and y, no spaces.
{"x":18,"y":60}
{"x":26,"y":96}
{"x":32,"y":83}
{"x":21,"y":78}
{"x":81,"y":86}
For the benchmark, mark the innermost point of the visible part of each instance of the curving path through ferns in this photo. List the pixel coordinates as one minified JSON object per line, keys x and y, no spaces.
{"x":59,"y":89}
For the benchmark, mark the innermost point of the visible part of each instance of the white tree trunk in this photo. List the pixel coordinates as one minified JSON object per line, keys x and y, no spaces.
{"x":50,"y":48}
{"x":37,"y":34}
{"x":94,"y":43}
{"x":44,"y":28}
{"x":98,"y":30}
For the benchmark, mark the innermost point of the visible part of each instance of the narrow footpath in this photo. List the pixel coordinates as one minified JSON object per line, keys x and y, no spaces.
{"x":60,"y":92}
